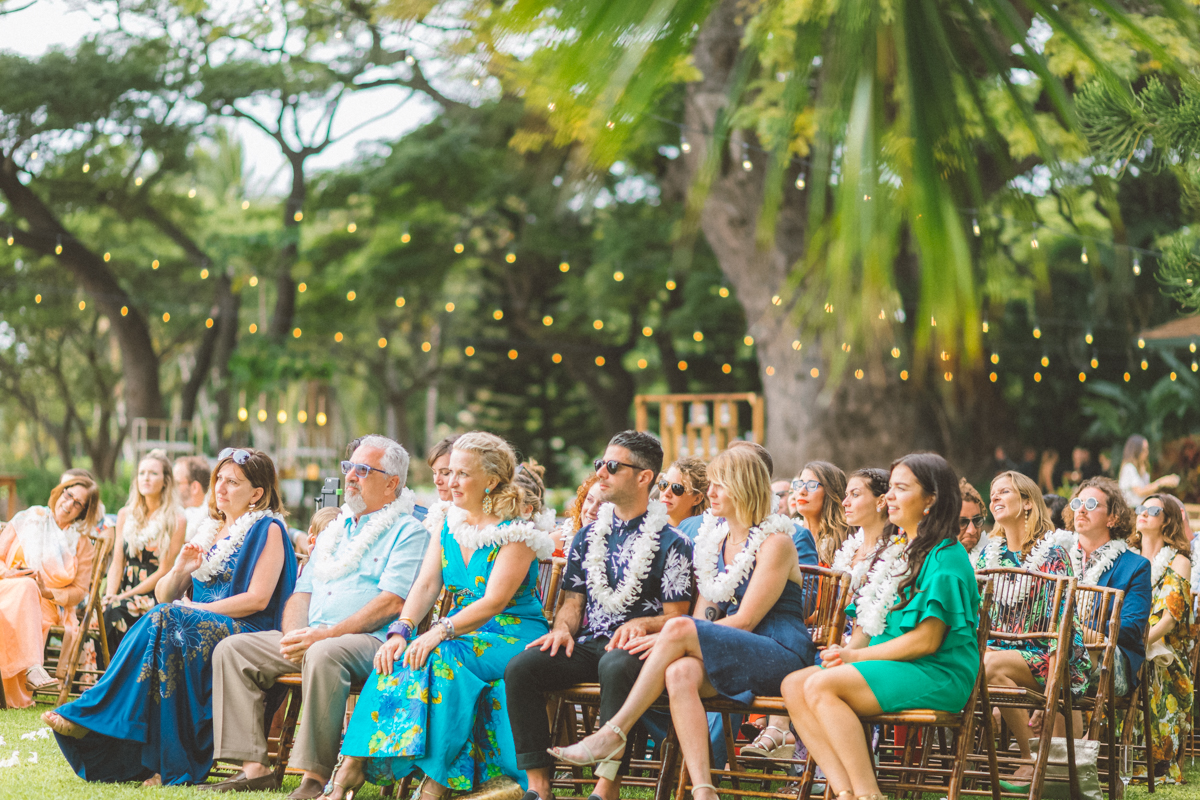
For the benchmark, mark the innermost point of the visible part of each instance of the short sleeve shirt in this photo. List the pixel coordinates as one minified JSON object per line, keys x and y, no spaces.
{"x":669,"y":579}
{"x":390,"y":565}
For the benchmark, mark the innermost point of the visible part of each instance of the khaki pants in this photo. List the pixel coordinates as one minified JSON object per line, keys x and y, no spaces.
{"x":245,"y":666}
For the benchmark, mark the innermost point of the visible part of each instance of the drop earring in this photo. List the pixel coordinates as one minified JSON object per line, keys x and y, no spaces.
{"x":487,"y":501}
{"x":925,"y":513}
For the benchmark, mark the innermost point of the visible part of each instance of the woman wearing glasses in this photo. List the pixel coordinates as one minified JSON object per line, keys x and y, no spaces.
{"x":817,"y":495}
{"x":1024,"y":537}
{"x":150,"y":533}
{"x":45,"y":567}
{"x":683,"y":489}
{"x":1160,"y":537}
{"x":150,"y":716}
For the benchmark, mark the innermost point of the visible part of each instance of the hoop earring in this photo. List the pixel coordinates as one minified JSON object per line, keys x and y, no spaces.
{"x":487,"y":501}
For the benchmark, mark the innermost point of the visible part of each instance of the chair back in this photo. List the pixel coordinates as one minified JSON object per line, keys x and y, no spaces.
{"x":1029,"y":605}
{"x":1098,"y":615}
{"x":549,"y":584}
{"x":826,"y":593}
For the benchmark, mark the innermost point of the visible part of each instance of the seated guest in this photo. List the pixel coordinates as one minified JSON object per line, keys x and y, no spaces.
{"x":1024,"y":537}
{"x":1055,"y":504}
{"x":806,"y":546}
{"x":45,"y":568}
{"x":1100,"y":557}
{"x":781,"y":490}
{"x":627,"y":574}
{"x":441,"y":710}
{"x":191,"y":486}
{"x":150,"y":533}
{"x":750,"y":611}
{"x":927,"y":655}
{"x":817,"y":493}
{"x":971,"y":534}
{"x":1160,"y":538}
{"x":1134,"y":477}
{"x":582,"y":511}
{"x":149,"y":716}
{"x":105,"y":523}
{"x":683,"y":489}
{"x":438,"y":460}
{"x":529,"y":477}
{"x":352,"y":587}
{"x":866,"y":510}
{"x":319,"y":522}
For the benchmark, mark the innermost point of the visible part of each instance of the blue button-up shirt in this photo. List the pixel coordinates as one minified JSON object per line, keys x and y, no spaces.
{"x":390,"y":565}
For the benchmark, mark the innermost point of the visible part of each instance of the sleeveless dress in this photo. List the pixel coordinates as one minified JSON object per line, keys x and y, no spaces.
{"x":945,"y":589}
{"x":120,"y":617}
{"x":742,"y":665}
{"x":151,"y":712}
{"x":449,"y":719}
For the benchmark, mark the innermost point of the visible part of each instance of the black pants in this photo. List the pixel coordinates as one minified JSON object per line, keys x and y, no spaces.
{"x":533,"y":673}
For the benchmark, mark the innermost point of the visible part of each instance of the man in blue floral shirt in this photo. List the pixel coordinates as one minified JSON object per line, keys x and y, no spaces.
{"x":627,"y":574}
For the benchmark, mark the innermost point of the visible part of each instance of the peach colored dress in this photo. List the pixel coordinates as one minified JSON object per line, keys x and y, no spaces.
{"x":64,"y":561}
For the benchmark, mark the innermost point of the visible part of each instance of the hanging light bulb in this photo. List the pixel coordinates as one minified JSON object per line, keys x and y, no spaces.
{"x":1137,"y":266}
{"x":800,"y":182}
{"x":1083,"y":255}
{"x":1034,"y":242}
{"x":975,"y":226}
{"x":1088,"y":337}
{"x":684,"y":144}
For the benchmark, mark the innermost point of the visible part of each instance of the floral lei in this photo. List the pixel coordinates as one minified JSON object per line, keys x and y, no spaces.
{"x":881,"y":589}
{"x":720,"y":587}
{"x":1037,"y":556}
{"x":618,"y":601}
{"x":151,"y":531}
{"x":1102,"y":559}
{"x":328,"y":567}
{"x":1158,"y":567}
{"x":214,"y":562}
{"x":517,"y":530}
{"x":843,"y":560}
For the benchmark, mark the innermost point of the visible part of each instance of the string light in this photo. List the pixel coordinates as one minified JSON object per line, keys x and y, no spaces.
{"x":58,"y":245}
{"x":458,"y":248}
{"x":281,"y":417}
{"x":337,"y":337}
{"x":683,"y":365}
{"x":816,"y":373}
{"x":1088,"y":337}
{"x":858,"y":374}
{"x":725,"y":368}
{"x":469,"y":351}
{"x":797,"y":344}
{"x":1037,"y":332}
{"x":1083,"y":255}
{"x":599,"y":361}
{"x":510,"y":258}
{"x":547,"y":320}
{"x":698,"y":336}
{"x":302,"y":416}
{"x":564,"y":267}
{"x":993,"y":377}
{"x":254,"y":280}
{"x":723,"y":291}
{"x":321,"y":419}
{"x":449,"y":308}
{"x":618,"y":276}
{"x":243,"y":414}
{"x":350,"y":295}
{"x":1137,"y":266}
{"x":684,"y":144}
{"x":975,"y":226}
{"x":801,"y":182}
{"x":647,"y":331}
{"x":747,"y":164}
{"x":1141,"y":343}
{"x":262,"y":415}
{"x":557,"y":359}
{"x":382,"y":342}
{"x":296,"y":333}
{"x":671,"y":285}
{"x":351,"y":228}
{"x":748,"y":341}
{"x":903,"y":374}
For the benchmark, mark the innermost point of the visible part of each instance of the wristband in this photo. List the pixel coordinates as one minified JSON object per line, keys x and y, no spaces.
{"x":447,"y":625}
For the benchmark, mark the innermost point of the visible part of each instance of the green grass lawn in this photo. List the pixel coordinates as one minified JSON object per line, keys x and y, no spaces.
{"x":48,"y":776}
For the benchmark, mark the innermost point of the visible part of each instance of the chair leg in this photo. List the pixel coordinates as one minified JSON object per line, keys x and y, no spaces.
{"x":1149,"y":737}
{"x":288,"y":733}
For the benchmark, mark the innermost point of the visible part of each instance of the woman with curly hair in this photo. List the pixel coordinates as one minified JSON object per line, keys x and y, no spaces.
{"x":683,"y":489}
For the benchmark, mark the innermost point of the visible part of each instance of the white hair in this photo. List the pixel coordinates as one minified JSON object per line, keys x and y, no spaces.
{"x":395,"y":457}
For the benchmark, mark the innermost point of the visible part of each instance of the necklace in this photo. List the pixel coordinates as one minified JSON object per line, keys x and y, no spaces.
{"x":618,"y":601}
{"x":717,"y":586}
{"x":435,"y":517}
{"x":214,"y":561}
{"x":1102,"y":559}
{"x":327,"y":566}
{"x":1041,"y":551}
{"x":1158,"y":565}
{"x":473,"y":537}
{"x":844,"y":561}
{"x":149,"y":533}
{"x":882,"y":587}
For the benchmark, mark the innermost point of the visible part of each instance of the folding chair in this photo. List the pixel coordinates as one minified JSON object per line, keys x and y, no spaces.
{"x":1098,"y":613}
{"x":1032,"y":607}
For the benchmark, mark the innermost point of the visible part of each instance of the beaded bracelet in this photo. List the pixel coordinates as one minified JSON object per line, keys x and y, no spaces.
{"x":447,"y":625}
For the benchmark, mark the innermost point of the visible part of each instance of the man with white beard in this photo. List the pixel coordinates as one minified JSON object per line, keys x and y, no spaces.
{"x":361,"y":569}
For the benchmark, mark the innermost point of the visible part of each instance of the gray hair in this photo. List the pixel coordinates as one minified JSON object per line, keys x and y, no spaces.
{"x":395,"y":457}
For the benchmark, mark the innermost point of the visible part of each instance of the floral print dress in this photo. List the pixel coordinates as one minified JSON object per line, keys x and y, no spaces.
{"x":1037,"y":652}
{"x":120,"y":617}
{"x":449,"y":718}
{"x":1171,"y":689}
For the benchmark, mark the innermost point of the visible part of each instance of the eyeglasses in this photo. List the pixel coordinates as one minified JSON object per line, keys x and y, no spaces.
{"x":1149,"y":511}
{"x":612,"y":465}
{"x":677,"y":489}
{"x":798,"y":484}
{"x":977,"y":521}
{"x":1091,"y":504}
{"x":240,"y":457}
{"x":79,"y":505}
{"x":361,"y":470}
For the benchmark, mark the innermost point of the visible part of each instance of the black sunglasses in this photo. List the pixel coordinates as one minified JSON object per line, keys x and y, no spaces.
{"x":1091,"y":504}
{"x":612,"y":465}
{"x":239,"y":456}
{"x":977,"y":521}
{"x":361,"y":470}
{"x":797,"y":484}
{"x":677,"y":489}
{"x":1149,"y":511}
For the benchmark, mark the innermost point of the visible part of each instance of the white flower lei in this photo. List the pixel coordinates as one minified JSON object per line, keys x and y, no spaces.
{"x":1158,"y":567}
{"x":214,"y":562}
{"x":718,"y":587}
{"x":1037,"y":555}
{"x":517,"y":530}
{"x":843,"y":559}
{"x":1103,"y":558}
{"x":152,"y":531}
{"x":990,"y":559}
{"x":435,"y":517}
{"x":882,"y":587}
{"x":618,"y":601}
{"x":328,"y":567}
{"x":977,"y":550}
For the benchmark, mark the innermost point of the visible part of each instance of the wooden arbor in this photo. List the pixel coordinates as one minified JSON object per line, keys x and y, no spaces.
{"x":699,"y":425}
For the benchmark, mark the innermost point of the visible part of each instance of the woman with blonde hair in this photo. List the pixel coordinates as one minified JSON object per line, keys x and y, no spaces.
{"x":45,"y":568}
{"x":441,"y":710}
{"x":817,"y":495}
{"x":150,"y":533}
{"x":750,"y":611}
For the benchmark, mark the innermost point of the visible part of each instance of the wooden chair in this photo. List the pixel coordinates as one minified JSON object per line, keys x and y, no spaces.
{"x":1032,"y":607}
{"x":1098,"y":613}
{"x":549,"y":583}
{"x":1125,"y":707}
{"x":1192,"y":743}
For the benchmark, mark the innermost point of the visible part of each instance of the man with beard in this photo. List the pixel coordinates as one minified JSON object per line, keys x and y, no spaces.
{"x":627,"y":574}
{"x":354,"y":585}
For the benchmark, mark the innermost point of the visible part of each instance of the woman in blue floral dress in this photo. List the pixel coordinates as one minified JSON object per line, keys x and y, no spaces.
{"x":441,"y":710}
{"x":150,"y":716}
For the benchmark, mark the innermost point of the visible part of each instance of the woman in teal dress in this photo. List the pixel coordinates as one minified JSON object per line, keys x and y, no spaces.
{"x":441,"y":711}
{"x":927,"y":655}
{"x":150,"y":716}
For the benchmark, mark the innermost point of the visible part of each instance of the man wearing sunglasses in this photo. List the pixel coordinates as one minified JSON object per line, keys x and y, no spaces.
{"x":589,"y":642}
{"x":352,"y":588}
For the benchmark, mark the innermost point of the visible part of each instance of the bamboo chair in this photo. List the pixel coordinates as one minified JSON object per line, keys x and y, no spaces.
{"x":1124,"y":706}
{"x":549,"y":584}
{"x":1032,"y":607}
{"x":1098,"y":613}
{"x":1192,"y":744}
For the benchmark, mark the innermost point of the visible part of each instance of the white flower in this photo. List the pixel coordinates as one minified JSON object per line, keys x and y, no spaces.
{"x":214,"y":561}
{"x":1102,"y":559}
{"x":720,"y":587}
{"x":1158,"y":567}
{"x":677,"y":574}
{"x":1041,"y":551}
{"x":617,"y":602}
{"x":328,"y":564}
{"x":882,"y":587}
{"x":473,"y":538}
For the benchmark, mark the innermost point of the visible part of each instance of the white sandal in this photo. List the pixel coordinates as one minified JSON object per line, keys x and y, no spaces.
{"x":696,"y":786}
{"x":777,"y":749}
{"x":605,"y":767}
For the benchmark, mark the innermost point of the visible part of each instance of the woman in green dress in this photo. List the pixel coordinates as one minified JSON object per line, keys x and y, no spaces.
{"x":927,"y":655}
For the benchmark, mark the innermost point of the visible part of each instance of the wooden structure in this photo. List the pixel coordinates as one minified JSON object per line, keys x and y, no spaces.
{"x":8,"y":484}
{"x":699,"y":425}
{"x":174,"y":438}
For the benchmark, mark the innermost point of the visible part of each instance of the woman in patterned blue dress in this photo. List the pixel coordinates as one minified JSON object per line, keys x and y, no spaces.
{"x":150,"y":716}
{"x":441,"y":711}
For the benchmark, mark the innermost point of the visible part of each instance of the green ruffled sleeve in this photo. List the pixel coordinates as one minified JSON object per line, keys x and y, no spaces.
{"x":946,"y":589}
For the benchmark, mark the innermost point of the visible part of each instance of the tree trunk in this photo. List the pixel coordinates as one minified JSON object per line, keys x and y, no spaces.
{"x":857,"y":423}
{"x":285,"y":285}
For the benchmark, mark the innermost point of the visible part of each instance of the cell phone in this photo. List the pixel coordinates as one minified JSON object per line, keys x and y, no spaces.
{"x":331,"y":494}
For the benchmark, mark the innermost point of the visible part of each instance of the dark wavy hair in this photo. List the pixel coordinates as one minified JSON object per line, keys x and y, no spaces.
{"x":940,"y":525}
{"x":876,"y":480}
